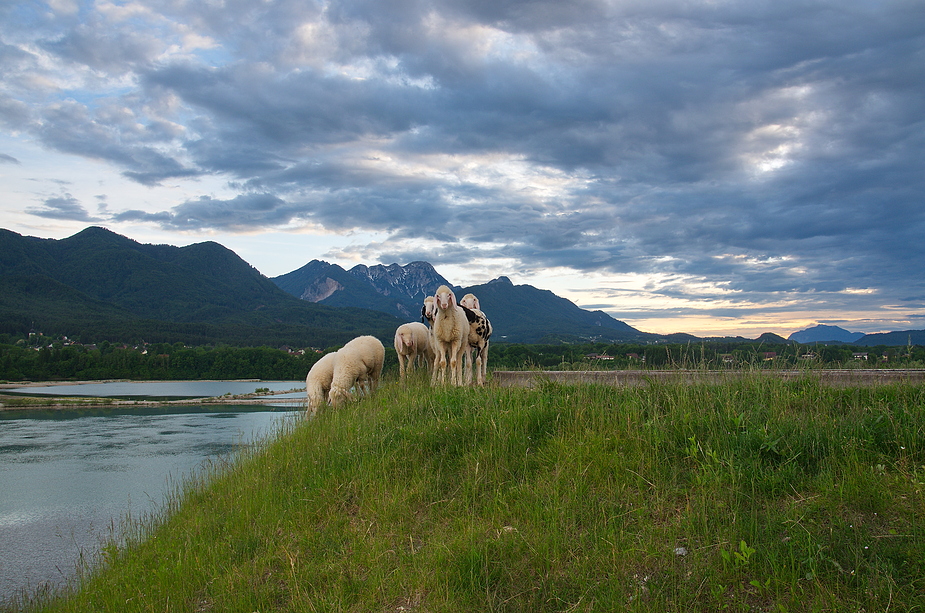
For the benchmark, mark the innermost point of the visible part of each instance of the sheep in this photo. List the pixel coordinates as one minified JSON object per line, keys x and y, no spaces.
{"x":427,"y":311}
{"x":358,"y":363}
{"x":318,"y":382}
{"x":450,"y":336}
{"x":412,"y":341}
{"x":479,"y":333}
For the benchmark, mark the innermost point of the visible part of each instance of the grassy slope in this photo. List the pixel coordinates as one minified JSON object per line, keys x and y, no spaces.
{"x":785,"y":497}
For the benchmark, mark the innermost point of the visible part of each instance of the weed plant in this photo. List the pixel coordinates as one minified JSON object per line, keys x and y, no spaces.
{"x":754,"y":495}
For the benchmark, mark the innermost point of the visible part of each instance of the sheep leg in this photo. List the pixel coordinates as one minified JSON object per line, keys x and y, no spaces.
{"x":456,"y":355}
{"x":478,"y":366}
{"x":467,"y":364}
{"x":439,"y":375}
{"x":484,"y":373}
{"x":374,"y":376}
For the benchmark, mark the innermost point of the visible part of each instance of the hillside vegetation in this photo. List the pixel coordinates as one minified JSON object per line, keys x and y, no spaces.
{"x":98,"y":285}
{"x":756,"y":495}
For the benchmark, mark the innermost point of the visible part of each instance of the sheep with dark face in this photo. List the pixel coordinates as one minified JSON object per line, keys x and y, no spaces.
{"x":450,"y":336}
{"x":427,"y":311}
{"x":357,"y":364}
{"x":413,"y":341}
{"x":479,"y":333}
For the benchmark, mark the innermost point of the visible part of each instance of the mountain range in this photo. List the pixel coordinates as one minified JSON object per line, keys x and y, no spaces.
{"x":105,"y":286}
{"x":518,"y":313}
{"x":102,"y":285}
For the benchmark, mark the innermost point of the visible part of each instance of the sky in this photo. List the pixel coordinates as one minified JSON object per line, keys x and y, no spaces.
{"x":711,"y":167}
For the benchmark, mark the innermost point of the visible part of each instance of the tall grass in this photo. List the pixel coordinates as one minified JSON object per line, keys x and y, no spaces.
{"x":755,"y":495}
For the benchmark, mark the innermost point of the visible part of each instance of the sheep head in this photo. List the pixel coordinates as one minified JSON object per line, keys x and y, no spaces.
{"x":427,"y":311}
{"x":470,"y":302}
{"x":404,"y":337}
{"x":444,"y":298}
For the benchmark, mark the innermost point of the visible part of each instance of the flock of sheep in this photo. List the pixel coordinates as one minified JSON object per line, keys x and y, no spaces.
{"x":455,"y":341}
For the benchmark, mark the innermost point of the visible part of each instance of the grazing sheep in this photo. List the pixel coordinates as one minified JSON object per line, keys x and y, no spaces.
{"x":427,"y":311}
{"x":318,"y":382}
{"x":479,"y":333}
{"x":412,"y":341}
{"x":358,"y":363}
{"x":450,"y":336}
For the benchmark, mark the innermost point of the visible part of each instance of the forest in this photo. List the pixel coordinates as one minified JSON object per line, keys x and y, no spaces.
{"x":40,"y":358}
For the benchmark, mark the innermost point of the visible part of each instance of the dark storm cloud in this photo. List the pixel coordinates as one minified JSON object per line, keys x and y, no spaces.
{"x":241,"y":213}
{"x":62,"y":207}
{"x":763,"y":147}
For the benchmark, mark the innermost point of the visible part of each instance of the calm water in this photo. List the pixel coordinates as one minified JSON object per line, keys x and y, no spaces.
{"x":67,"y":478}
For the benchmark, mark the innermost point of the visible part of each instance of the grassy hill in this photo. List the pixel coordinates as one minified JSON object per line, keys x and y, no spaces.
{"x":758,"y":495}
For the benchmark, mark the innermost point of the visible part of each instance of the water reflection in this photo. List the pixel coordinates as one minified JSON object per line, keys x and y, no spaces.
{"x":68,"y":477}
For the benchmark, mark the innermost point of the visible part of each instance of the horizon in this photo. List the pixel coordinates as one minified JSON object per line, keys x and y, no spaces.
{"x":713,"y":168}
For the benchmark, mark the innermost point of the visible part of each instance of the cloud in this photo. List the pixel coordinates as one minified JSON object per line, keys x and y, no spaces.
{"x":242,"y":213}
{"x":64,"y":207}
{"x":770,"y":149}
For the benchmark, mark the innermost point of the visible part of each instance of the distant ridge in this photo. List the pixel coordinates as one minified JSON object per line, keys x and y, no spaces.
{"x":822,"y":333}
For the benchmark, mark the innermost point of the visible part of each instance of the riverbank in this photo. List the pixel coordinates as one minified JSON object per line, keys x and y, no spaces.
{"x":754,"y":495}
{"x":12,"y":402}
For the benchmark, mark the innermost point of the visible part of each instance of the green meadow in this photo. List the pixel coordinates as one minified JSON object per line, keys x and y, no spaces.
{"x":752,"y":495}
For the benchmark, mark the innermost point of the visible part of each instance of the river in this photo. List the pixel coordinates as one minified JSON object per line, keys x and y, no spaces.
{"x":68,"y":478}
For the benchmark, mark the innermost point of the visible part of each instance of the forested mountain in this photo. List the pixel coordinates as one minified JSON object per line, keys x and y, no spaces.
{"x":518,"y":313}
{"x":525,"y":314}
{"x":892,"y":339}
{"x":100,"y":283}
{"x":822,"y":333}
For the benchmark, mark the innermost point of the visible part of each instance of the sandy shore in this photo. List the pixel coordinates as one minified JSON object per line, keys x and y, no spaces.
{"x":13,"y":403}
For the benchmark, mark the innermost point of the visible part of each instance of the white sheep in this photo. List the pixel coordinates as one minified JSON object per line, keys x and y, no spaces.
{"x":450,"y":336}
{"x":479,"y":333}
{"x":412,"y":341}
{"x":318,"y":382}
{"x":358,"y":364}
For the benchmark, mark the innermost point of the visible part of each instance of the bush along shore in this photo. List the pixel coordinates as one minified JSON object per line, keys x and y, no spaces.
{"x":753,"y":495}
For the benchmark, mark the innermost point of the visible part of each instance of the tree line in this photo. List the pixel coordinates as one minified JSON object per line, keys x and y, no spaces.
{"x":39,"y":358}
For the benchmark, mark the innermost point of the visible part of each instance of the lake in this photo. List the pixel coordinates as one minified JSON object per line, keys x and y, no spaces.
{"x":68,"y":477}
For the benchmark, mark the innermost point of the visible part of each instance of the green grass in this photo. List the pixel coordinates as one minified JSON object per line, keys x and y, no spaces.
{"x":756,"y":495}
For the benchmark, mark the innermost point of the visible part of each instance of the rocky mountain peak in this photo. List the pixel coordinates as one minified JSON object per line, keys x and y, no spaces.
{"x":415,"y":280}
